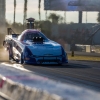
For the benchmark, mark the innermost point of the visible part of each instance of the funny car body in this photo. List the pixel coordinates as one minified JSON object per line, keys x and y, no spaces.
{"x":33,"y":47}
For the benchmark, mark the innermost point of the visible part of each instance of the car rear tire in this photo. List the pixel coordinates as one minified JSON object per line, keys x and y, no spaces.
{"x":21,"y":60}
{"x":59,"y":64}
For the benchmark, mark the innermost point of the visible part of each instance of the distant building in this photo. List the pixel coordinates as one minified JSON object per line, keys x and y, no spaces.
{"x":2,"y":15}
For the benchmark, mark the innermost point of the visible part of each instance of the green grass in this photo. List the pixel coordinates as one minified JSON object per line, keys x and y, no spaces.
{"x":86,"y":58}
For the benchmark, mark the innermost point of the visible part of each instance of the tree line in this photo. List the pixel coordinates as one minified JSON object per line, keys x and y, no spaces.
{"x":51,"y":18}
{"x":39,"y":11}
{"x":43,"y":25}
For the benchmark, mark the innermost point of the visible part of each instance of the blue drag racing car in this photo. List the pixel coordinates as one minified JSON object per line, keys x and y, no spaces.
{"x":33,"y":47}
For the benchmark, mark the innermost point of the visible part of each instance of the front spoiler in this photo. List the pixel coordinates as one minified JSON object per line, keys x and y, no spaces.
{"x":49,"y":63}
{"x":46,"y":60}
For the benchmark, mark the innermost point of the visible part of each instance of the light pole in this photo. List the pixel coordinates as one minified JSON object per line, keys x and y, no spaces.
{"x":64,"y":16}
{"x":86,"y":16}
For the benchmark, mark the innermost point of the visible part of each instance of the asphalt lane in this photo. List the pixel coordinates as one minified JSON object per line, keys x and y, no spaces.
{"x":82,"y":73}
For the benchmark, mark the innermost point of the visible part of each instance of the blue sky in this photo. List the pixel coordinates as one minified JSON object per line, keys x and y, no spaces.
{"x":33,"y":12}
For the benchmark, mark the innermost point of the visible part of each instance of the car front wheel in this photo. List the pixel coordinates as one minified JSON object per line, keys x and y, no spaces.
{"x":22,"y":59}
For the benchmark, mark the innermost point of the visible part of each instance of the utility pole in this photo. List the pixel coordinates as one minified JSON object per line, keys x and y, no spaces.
{"x":86,"y":16}
{"x":39,"y":7}
{"x":14,"y":12}
{"x":46,"y":14}
{"x":80,"y":17}
{"x":64,"y":16}
{"x":25,"y":13}
{"x":80,"y":21}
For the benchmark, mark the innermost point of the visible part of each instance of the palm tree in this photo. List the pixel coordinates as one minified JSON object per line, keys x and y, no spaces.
{"x":14,"y":11}
{"x":46,"y":14}
{"x":98,"y":18}
{"x":61,"y":19}
{"x":65,"y":17}
{"x":39,"y":6}
{"x":55,"y":18}
{"x":25,"y":12}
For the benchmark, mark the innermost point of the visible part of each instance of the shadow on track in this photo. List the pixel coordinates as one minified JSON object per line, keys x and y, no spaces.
{"x":69,"y":65}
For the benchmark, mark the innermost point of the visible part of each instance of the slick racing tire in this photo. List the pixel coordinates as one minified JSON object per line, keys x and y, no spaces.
{"x":10,"y":52}
{"x":21,"y":60}
{"x":4,"y":42}
{"x":60,"y":64}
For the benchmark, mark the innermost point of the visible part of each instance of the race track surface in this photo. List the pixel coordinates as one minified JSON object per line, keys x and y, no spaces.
{"x":85,"y":74}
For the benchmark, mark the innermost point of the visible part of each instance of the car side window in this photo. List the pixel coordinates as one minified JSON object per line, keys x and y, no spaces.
{"x":14,"y":44}
{"x":18,"y":48}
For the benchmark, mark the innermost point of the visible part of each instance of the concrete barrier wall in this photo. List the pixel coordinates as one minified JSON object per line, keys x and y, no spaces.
{"x":22,"y":84}
{"x":14,"y":91}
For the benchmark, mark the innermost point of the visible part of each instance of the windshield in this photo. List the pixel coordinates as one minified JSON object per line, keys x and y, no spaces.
{"x":30,"y":35}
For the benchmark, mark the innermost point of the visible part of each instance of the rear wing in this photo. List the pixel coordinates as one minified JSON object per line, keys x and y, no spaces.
{"x":11,"y":32}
